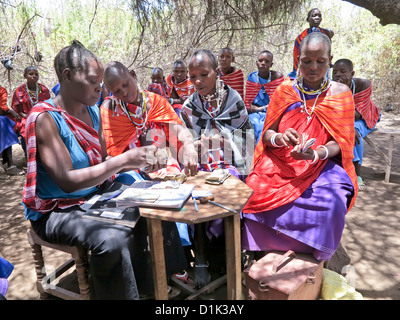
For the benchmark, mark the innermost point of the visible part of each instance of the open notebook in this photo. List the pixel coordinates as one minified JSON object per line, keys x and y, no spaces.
{"x":156,"y":194}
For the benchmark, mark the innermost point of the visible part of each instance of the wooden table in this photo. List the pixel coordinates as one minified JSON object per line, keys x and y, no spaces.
{"x":234,"y":194}
{"x":391,"y":134}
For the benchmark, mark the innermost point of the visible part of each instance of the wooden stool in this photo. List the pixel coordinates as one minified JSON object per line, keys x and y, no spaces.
{"x":44,"y":283}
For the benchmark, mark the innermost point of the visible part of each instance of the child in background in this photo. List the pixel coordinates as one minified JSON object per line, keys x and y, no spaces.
{"x":25,"y":97}
{"x":229,"y":74}
{"x":179,"y":86}
{"x":158,"y":84}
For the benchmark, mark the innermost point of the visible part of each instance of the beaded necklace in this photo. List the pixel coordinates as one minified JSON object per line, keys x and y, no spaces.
{"x":33,"y":96}
{"x":139,"y":115}
{"x":324,"y":87}
{"x":218,"y":96}
{"x":268,"y":80}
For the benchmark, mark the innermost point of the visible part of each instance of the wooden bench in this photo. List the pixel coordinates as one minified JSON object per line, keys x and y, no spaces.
{"x":45,"y":283}
{"x":391,"y":134}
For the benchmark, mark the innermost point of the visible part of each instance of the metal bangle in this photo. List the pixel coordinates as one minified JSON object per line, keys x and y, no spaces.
{"x":272,"y":141}
{"x":326,"y":152}
{"x":316,"y":158}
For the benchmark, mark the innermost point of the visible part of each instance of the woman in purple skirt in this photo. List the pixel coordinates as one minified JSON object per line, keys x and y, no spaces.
{"x":301,"y":195}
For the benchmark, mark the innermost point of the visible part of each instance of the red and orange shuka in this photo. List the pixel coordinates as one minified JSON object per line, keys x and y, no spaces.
{"x":119,"y":130}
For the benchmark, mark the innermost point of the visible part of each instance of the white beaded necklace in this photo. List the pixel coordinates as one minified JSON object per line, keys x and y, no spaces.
{"x":218,"y":96}
{"x":143,"y":108}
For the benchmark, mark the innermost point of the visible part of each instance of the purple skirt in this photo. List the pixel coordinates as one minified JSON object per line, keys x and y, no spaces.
{"x":313,"y":223}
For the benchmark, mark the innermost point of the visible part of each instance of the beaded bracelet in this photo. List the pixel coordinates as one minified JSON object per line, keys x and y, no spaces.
{"x":273,"y":141}
{"x":326,"y":152}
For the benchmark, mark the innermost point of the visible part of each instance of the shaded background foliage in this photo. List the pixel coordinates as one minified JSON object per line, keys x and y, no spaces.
{"x":144,"y":34}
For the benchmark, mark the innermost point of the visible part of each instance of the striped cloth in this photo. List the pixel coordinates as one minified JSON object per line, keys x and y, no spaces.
{"x":121,"y":134}
{"x":184,"y":89}
{"x":86,"y":136}
{"x":231,"y":122}
{"x":159,"y":88}
{"x":253,"y":88}
{"x":3,"y":99}
{"x":364,"y":105}
{"x":334,"y":117}
{"x":235,"y":80}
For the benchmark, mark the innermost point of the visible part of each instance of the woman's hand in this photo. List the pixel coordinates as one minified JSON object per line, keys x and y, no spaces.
{"x":298,"y":155}
{"x":290,"y":137}
{"x":15,"y":114}
{"x":149,"y":158}
{"x":189,"y":158}
{"x":202,"y":147}
{"x":254,"y":108}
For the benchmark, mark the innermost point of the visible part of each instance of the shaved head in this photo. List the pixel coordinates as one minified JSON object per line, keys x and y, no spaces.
{"x":114,"y":69}
{"x":315,"y":38}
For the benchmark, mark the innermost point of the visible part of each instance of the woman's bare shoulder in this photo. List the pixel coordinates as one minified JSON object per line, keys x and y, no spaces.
{"x":338,"y":88}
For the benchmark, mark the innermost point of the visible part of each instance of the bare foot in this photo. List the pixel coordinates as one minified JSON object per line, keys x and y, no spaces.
{"x":201,"y":275}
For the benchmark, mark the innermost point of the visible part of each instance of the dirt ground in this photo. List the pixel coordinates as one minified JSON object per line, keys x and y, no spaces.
{"x":370,"y":239}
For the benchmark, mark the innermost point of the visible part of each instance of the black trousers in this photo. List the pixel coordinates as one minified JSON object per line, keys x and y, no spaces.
{"x":120,"y":262}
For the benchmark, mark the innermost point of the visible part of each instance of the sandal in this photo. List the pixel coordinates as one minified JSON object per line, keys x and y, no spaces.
{"x":361,"y":183}
{"x":184,"y":277}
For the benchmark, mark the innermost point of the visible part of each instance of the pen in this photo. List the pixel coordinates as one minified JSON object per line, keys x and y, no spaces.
{"x":113,"y":196}
{"x":195,"y":204}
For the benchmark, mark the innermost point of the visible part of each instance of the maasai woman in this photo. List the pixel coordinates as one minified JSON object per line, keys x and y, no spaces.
{"x":314,"y":18}
{"x":179,"y":86}
{"x":67,"y":164}
{"x":142,"y":118}
{"x":229,"y":74}
{"x":260,"y":87}
{"x":300,"y":196}
{"x":367,"y":113}
{"x":218,"y":120}
{"x":25,"y":97}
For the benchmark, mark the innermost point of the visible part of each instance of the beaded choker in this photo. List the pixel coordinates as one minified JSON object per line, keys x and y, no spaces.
{"x":324,"y":87}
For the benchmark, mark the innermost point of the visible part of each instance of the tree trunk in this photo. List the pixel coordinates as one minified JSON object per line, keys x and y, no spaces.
{"x":388,"y":11}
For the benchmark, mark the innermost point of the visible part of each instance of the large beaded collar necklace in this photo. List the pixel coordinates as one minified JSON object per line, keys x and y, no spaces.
{"x":218,"y":96}
{"x":326,"y":83}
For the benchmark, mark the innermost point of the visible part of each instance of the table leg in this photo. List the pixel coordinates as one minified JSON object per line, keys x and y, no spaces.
{"x":390,"y":155}
{"x":233,"y":257}
{"x":158,"y":258}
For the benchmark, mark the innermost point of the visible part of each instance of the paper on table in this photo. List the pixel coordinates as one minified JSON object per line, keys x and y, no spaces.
{"x":156,"y":194}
